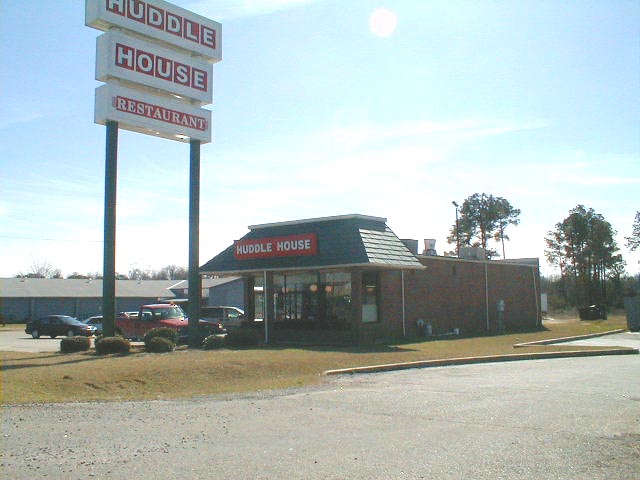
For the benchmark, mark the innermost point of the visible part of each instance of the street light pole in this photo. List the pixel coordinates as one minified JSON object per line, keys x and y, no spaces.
{"x":457,"y":230}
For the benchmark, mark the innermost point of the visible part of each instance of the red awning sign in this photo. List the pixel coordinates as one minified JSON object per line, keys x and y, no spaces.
{"x":288,"y":246}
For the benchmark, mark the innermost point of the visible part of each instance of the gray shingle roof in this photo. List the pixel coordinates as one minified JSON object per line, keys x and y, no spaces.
{"x":79,"y":288}
{"x":347,"y":240}
{"x":385,"y":248}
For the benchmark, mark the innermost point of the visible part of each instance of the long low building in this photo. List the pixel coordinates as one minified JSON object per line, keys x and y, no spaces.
{"x":350,"y":279}
{"x":22,"y":299}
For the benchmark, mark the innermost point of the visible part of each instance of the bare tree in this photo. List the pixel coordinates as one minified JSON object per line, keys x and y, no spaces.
{"x":41,"y":269}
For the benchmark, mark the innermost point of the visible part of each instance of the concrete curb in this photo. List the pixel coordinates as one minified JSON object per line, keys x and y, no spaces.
{"x":551,"y":341}
{"x":484,"y":359}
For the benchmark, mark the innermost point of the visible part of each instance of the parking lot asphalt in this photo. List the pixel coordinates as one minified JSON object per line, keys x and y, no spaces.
{"x":12,"y":340}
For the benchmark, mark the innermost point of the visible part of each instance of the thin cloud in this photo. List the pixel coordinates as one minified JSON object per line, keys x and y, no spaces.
{"x":596,"y":180}
{"x":354,"y":136}
{"x":19,"y":119}
{"x":231,"y":9}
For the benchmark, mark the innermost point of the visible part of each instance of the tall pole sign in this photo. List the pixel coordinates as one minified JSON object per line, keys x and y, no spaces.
{"x":156,"y":59}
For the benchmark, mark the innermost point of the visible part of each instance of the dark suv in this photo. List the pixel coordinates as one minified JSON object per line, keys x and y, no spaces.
{"x":58,"y":325}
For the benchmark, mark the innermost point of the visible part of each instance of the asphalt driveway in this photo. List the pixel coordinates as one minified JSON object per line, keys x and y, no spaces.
{"x":570,"y":418}
{"x":625,"y":339}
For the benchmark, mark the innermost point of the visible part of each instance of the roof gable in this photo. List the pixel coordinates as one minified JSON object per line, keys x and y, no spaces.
{"x":341,"y":241}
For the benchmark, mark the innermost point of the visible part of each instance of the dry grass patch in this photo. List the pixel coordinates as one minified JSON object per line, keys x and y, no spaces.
{"x":186,"y":373}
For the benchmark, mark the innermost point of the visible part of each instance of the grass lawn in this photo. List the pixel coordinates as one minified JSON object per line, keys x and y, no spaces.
{"x":56,"y":377}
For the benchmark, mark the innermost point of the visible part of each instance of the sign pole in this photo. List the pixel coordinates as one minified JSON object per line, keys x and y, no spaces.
{"x":109,"y":260}
{"x":194,"y":242}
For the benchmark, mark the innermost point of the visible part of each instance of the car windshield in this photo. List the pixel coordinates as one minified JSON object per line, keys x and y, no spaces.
{"x":169,"y":312}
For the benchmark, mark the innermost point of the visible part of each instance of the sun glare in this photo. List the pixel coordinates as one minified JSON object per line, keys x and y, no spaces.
{"x":383,"y":22}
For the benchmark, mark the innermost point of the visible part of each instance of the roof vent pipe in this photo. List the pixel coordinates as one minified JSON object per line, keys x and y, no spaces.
{"x":430,"y":247}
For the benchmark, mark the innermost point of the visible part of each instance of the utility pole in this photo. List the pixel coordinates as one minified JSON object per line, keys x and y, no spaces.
{"x":454,"y":203}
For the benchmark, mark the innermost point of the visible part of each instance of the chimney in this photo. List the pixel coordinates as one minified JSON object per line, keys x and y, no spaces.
{"x":411,"y":244}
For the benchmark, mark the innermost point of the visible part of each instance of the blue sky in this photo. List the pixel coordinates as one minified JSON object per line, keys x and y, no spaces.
{"x":316,"y":115}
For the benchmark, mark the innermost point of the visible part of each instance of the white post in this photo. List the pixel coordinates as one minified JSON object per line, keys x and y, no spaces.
{"x":265,"y":308}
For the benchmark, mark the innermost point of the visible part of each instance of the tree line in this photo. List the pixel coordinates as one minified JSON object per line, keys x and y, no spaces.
{"x":43,"y":269}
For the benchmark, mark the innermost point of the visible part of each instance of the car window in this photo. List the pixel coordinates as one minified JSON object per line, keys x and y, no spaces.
{"x":231,"y":313}
{"x":211,"y":312}
{"x":147,"y":314}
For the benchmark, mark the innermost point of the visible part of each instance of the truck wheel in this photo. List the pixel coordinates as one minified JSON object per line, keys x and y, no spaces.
{"x":35,"y":333}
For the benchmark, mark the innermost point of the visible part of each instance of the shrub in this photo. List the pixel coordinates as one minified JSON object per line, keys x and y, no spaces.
{"x":75,"y":344}
{"x":106,"y":345}
{"x":241,"y":337}
{"x":159,"y":345}
{"x":163,"y":332}
{"x":213,"y":342}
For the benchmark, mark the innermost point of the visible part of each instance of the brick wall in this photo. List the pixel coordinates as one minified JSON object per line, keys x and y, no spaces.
{"x":453,"y":293}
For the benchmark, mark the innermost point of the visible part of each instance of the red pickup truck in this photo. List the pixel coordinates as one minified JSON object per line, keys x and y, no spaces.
{"x":149,"y":317}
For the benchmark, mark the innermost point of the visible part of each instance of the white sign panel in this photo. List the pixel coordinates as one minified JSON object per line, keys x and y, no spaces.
{"x":151,"y":114}
{"x":134,"y":60}
{"x":161,"y":21}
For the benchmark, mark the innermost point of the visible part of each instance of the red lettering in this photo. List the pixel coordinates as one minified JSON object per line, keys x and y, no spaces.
{"x":199,"y":79}
{"x":155,"y":17}
{"x":136,"y":10}
{"x":181,"y":74}
{"x":125,"y":56}
{"x":164,"y":68}
{"x":159,"y":113}
{"x":144,"y":62}
{"x":174,"y":24}
{"x":208,"y":37}
{"x":191,"y":31}
{"x":161,"y":19}
{"x":116,"y":6}
{"x":290,"y":245}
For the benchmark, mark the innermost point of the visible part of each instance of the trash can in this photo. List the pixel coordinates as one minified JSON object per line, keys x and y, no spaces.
{"x":632,"y":310}
{"x":593,"y":312}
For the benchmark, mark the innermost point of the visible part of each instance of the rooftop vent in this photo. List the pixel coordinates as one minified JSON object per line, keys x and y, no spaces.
{"x":473,"y":253}
{"x":430,"y":247}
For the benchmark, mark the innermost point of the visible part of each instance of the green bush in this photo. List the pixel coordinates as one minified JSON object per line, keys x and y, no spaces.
{"x":75,"y":344}
{"x":159,"y":345}
{"x":213,"y":342}
{"x":106,"y":345}
{"x":164,"y":332}
{"x":242,"y":337}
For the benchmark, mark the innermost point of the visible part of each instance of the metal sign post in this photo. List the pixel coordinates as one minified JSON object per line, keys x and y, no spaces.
{"x":109,"y":259}
{"x":194,"y":242}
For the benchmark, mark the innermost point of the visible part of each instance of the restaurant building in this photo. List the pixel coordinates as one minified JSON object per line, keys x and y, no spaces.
{"x":350,"y":279}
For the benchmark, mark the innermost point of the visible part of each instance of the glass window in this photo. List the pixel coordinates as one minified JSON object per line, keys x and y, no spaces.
{"x":336,"y":288}
{"x":370,"y":297}
{"x":258,"y":297}
{"x":313,"y":299}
